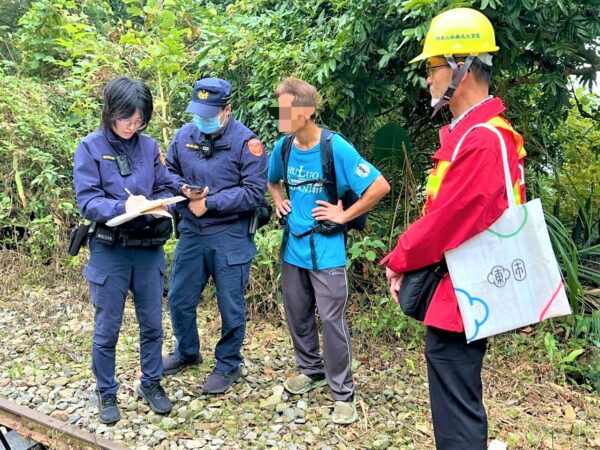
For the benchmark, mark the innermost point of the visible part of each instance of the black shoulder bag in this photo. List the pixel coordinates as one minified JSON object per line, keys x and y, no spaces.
{"x":418,"y":287}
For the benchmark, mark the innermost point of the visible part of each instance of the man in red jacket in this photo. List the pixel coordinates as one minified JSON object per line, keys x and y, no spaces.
{"x":465,"y":195}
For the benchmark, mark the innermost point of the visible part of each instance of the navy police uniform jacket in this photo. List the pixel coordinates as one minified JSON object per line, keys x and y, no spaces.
{"x":236,"y":174}
{"x":113,"y":270}
{"x":99,"y":186}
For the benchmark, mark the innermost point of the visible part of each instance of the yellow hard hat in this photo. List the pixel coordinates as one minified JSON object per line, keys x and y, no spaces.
{"x":459,"y":31}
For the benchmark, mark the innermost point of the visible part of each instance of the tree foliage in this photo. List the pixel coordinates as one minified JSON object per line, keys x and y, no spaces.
{"x":356,"y":52}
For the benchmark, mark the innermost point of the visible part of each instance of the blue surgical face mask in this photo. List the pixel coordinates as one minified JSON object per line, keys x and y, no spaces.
{"x":208,"y":125}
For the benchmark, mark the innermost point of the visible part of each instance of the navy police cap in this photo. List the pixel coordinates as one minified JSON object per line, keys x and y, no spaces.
{"x":210,"y":96}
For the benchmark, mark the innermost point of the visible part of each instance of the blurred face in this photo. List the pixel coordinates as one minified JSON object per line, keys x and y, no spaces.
{"x":439,"y":77}
{"x":292,"y":116}
{"x":126,"y":128}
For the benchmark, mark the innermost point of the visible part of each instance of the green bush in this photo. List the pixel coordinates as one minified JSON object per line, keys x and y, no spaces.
{"x":37,"y":147}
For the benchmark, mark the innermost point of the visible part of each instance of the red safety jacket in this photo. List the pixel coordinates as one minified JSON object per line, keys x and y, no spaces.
{"x":464,"y":197}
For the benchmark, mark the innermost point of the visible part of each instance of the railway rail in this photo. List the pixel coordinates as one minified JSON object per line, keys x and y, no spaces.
{"x":48,"y":431}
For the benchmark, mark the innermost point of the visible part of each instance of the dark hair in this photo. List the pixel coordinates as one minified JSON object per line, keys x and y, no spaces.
{"x":123,"y":96}
{"x":481,"y":71}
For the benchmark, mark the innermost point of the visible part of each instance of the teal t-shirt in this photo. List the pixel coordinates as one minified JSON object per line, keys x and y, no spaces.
{"x":351,"y":171}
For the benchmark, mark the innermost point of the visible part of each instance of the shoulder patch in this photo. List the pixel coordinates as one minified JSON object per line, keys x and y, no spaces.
{"x":255,"y":147}
{"x":363,"y":170}
{"x":109,"y":157}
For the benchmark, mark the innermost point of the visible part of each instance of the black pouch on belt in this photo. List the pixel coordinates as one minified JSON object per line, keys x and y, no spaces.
{"x":106,"y":235}
{"x":162,"y":231}
{"x":260,"y":217}
{"x":78,"y":238}
{"x":156,"y":233}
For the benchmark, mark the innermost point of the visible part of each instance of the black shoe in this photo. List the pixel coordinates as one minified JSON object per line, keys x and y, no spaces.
{"x":108,"y":412}
{"x":219,"y":381}
{"x":155,"y":395}
{"x":172,"y":364}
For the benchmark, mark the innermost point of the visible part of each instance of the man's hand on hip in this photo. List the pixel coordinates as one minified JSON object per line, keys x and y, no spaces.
{"x":329,"y":211}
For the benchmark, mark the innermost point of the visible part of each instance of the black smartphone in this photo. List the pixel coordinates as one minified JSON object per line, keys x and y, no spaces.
{"x":196,"y":188}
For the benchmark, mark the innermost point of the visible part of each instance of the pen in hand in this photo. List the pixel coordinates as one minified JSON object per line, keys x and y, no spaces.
{"x":133,"y":201}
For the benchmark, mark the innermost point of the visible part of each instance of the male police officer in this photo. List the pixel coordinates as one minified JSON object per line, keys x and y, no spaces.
{"x":221,"y":166}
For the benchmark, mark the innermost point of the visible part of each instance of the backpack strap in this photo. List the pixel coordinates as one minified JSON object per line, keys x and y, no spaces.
{"x":313,"y":253}
{"x":286,"y":148}
{"x":328,"y":165}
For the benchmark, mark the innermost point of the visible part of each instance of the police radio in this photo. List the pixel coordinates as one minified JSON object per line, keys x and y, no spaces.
{"x":207,"y":148}
{"x":123,"y":165}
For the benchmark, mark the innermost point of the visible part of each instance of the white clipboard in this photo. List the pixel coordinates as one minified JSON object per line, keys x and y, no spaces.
{"x":150,"y":207}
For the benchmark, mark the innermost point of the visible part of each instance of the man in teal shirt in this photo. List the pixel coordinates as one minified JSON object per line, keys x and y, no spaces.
{"x":314,"y":264}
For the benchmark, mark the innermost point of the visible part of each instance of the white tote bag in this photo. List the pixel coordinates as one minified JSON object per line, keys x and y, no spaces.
{"x":507,"y":276}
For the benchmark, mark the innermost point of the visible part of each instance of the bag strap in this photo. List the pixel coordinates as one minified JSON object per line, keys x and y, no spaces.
{"x":328,"y":165}
{"x":504,"y":151}
{"x":286,"y":148}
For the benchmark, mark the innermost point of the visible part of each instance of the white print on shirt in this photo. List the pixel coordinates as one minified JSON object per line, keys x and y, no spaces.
{"x":297,"y":175}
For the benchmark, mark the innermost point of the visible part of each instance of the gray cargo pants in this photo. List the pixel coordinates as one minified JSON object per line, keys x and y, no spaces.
{"x":326,"y":290}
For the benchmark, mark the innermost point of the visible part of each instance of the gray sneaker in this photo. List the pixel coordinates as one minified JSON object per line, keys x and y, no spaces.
{"x":172,"y":364}
{"x":219,"y":381}
{"x":344,"y":413}
{"x":301,"y":384}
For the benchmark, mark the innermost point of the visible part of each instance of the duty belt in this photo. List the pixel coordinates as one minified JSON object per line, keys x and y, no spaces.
{"x":148,"y":236}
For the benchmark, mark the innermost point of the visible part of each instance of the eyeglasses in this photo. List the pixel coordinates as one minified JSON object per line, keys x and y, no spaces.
{"x":431,"y":69}
{"x":124,"y":123}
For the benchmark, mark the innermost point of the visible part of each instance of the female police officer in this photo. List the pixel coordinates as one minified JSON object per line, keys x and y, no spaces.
{"x":115,"y":169}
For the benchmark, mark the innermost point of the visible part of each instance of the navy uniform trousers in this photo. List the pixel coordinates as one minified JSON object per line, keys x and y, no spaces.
{"x":226,"y":256}
{"x":455,"y":390}
{"x":111,"y":272}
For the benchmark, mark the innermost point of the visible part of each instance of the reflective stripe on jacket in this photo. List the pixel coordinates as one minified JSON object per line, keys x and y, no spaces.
{"x":436,"y":176}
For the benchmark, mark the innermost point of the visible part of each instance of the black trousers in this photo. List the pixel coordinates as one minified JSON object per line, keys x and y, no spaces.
{"x":455,"y":391}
